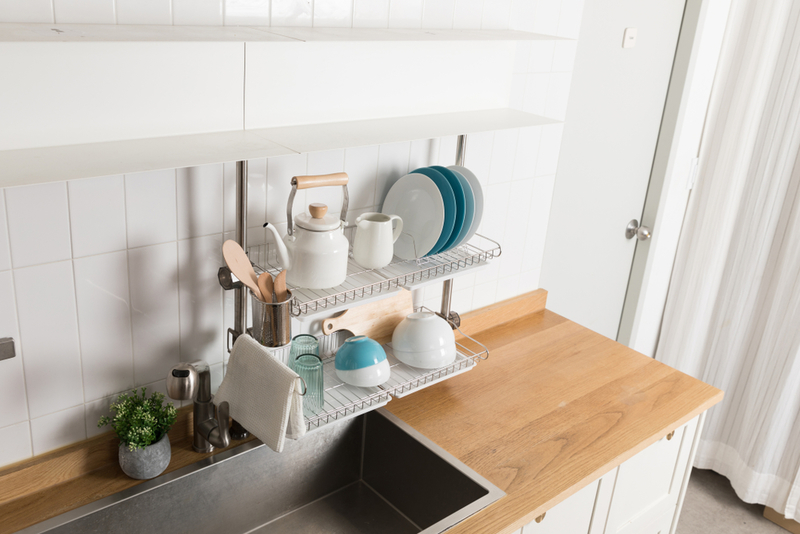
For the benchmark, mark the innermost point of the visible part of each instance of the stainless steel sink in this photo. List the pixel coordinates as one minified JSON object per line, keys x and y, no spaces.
{"x":372,"y":474}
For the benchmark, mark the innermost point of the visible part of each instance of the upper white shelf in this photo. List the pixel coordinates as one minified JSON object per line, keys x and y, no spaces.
{"x":49,"y":164}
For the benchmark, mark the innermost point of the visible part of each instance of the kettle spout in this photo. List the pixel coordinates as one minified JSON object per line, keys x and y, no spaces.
{"x":283,"y":253}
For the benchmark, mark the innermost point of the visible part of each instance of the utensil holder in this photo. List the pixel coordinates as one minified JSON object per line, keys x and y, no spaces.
{"x":272,"y":322}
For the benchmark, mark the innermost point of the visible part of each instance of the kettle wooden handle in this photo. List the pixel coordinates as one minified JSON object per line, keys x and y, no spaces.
{"x":320,"y":180}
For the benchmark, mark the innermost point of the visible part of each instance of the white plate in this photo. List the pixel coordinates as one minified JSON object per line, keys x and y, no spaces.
{"x":477,"y":190}
{"x":416,"y":200}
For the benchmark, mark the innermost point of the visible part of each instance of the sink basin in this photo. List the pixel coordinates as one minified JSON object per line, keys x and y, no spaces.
{"x":371,"y":474}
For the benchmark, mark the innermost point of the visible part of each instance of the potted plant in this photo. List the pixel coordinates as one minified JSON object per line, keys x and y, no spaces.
{"x":142,"y":425}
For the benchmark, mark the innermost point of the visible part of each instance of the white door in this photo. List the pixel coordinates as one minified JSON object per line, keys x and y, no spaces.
{"x":615,"y":107}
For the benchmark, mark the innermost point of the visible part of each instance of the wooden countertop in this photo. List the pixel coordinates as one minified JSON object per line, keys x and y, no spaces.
{"x":555,"y":407}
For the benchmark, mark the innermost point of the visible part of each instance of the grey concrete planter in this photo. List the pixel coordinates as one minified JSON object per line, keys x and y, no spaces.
{"x":149,"y":462}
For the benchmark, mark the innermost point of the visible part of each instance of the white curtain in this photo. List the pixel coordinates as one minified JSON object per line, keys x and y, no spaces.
{"x":732,"y":317}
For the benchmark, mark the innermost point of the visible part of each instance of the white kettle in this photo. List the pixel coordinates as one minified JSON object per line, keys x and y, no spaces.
{"x":315,"y":253}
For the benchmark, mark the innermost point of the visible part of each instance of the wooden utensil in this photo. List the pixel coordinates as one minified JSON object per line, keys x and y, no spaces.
{"x":240,"y":265}
{"x":265,"y":286}
{"x":280,"y":287}
{"x":376,"y":320}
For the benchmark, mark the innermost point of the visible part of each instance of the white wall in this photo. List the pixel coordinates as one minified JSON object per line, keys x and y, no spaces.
{"x":107,"y":282}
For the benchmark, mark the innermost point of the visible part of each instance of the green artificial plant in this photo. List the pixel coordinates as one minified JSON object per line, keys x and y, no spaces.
{"x":139,"y":421}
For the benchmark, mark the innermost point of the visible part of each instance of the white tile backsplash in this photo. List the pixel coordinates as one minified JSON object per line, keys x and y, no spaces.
{"x":58,"y":429}
{"x":144,"y":11}
{"x":84,"y":11}
{"x":5,"y":251}
{"x":38,"y":224}
{"x":104,"y":319}
{"x":146,"y":246}
{"x":150,"y":207}
{"x":12,"y":377}
{"x":97,"y":215}
{"x":26,"y":11}
{"x":197,"y":12}
{"x":153,"y":275}
{"x":48,"y":327}
{"x":200,"y":201}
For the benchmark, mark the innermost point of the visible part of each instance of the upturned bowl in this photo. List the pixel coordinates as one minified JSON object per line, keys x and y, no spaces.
{"x":424,"y":340}
{"x":362,"y":362}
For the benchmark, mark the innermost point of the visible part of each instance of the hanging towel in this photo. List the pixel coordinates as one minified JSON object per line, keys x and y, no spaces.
{"x":264,"y":395}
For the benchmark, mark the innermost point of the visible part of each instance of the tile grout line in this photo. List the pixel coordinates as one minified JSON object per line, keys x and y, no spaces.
{"x":128,"y":270}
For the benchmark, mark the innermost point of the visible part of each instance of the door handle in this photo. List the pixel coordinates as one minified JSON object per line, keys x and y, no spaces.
{"x":643,"y":233}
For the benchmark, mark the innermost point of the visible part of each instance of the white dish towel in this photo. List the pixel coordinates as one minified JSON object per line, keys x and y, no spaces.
{"x":264,"y":395}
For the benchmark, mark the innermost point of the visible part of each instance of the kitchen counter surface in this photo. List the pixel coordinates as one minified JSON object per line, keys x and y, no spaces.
{"x":555,"y":407}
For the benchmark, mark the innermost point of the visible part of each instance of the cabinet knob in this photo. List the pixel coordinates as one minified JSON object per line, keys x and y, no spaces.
{"x":669,"y":436}
{"x":540,"y":518}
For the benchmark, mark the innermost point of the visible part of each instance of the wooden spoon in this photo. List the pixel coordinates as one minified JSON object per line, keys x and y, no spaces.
{"x":265,"y":286}
{"x":280,"y":287}
{"x":240,"y":266}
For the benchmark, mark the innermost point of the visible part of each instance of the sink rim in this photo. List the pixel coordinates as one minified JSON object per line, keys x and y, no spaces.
{"x":493,"y":492}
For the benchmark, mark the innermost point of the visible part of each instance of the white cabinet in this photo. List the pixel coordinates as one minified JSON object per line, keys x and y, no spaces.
{"x":641,"y":496}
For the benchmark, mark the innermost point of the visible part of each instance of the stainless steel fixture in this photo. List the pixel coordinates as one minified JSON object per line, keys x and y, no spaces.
{"x":192,"y":380}
{"x":643,"y":233}
{"x":365,"y":475}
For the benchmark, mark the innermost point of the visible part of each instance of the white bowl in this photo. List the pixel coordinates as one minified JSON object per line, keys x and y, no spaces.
{"x":424,"y":340}
{"x":366,"y":377}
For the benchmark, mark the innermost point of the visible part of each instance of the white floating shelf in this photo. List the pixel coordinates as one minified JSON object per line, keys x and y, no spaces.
{"x":40,"y":165}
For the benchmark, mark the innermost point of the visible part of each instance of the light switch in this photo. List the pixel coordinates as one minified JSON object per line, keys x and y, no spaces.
{"x":629,"y":37}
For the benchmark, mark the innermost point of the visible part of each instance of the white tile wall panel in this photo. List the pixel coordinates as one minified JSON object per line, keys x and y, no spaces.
{"x":257,"y":191}
{"x":438,"y":14}
{"x":536,"y":93}
{"x":333,"y":13}
{"x":201,"y":312}
{"x":247,"y":12}
{"x":557,"y":95}
{"x":93,"y":411}
{"x":484,"y":294}
{"x":280,"y":171}
{"x":424,"y":152}
{"x":537,"y":222}
{"x":516,"y":231}
{"x":541,"y":57}
{"x":104,"y":319}
{"x":366,"y":80}
{"x":119,"y":90}
{"x":527,"y":152}
{"x":496,"y":14}
{"x":495,"y":198}
{"x":38,"y":224}
{"x":522,"y":15}
{"x":5,"y":251}
{"x":522,"y":56}
{"x":447,"y":150}
{"x":504,"y":151}
{"x":16,"y":441}
{"x":564,"y":55}
{"x":371,"y":14}
{"x":58,"y":429}
{"x":507,"y":287}
{"x":144,"y":11}
{"x":84,"y":11}
{"x":26,"y":11}
{"x":154,"y":310}
{"x":197,"y":12}
{"x":392,"y":165}
{"x":549,"y":148}
{"x":229,"y":197}
{"x":97,"y":215}
{"x":546,"y":17}
{"x":48,"y":327}
{"x":12,"y":378}
{"x":292,"y":13}
{"x":569,"y":20}
{"x":405,"y":14}
{"x":479,"y":155}
{"x":324,"y":162}
{"x":468,"y":14}
{"x":150,"y":201}
{"x":361,"y":165}
{"x":200,"y":200}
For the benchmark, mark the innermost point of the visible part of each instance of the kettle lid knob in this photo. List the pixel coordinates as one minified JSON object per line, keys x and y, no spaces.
{"x":317,"y":210}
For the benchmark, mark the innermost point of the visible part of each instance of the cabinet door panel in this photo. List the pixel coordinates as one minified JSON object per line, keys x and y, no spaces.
{"x":572,"y":516}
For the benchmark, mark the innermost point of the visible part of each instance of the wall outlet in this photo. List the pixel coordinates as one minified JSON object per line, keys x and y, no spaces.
{"x":629,"y":37}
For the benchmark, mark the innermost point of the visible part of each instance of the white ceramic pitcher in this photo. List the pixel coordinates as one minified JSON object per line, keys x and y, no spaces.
{"x":373,"y":246}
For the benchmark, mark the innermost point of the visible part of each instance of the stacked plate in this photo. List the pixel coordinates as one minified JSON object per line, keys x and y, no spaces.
{"x":441,"y":208}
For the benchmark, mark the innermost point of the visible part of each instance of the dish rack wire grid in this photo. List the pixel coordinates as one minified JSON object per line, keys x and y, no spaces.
{"x":343,"y":401}
{"x":363,"y":283}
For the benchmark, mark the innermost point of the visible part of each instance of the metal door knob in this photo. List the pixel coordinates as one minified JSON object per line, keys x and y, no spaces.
{"x":643,"y":233}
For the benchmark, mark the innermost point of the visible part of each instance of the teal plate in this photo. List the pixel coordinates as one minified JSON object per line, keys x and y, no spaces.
{"x":467,"y":213}
{"x":450,"y":206}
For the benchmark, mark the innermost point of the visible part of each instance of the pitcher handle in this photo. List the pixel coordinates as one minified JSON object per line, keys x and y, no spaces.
{"x":398,"y":229}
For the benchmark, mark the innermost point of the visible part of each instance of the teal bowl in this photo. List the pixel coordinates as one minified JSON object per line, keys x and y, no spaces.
{"x":362,"y":362}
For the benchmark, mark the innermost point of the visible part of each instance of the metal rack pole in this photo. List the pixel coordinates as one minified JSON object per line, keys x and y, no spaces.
{"x":447,"y":287}
{"x":240,"y":295}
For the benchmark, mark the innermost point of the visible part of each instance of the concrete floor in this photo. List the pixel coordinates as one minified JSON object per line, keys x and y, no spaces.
{"x":712,"y":507}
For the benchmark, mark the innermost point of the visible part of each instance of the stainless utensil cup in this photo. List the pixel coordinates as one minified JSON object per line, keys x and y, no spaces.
{"x":272,"y":322}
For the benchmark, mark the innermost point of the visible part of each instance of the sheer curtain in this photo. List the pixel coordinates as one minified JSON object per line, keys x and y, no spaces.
{"x":732,"y":316}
